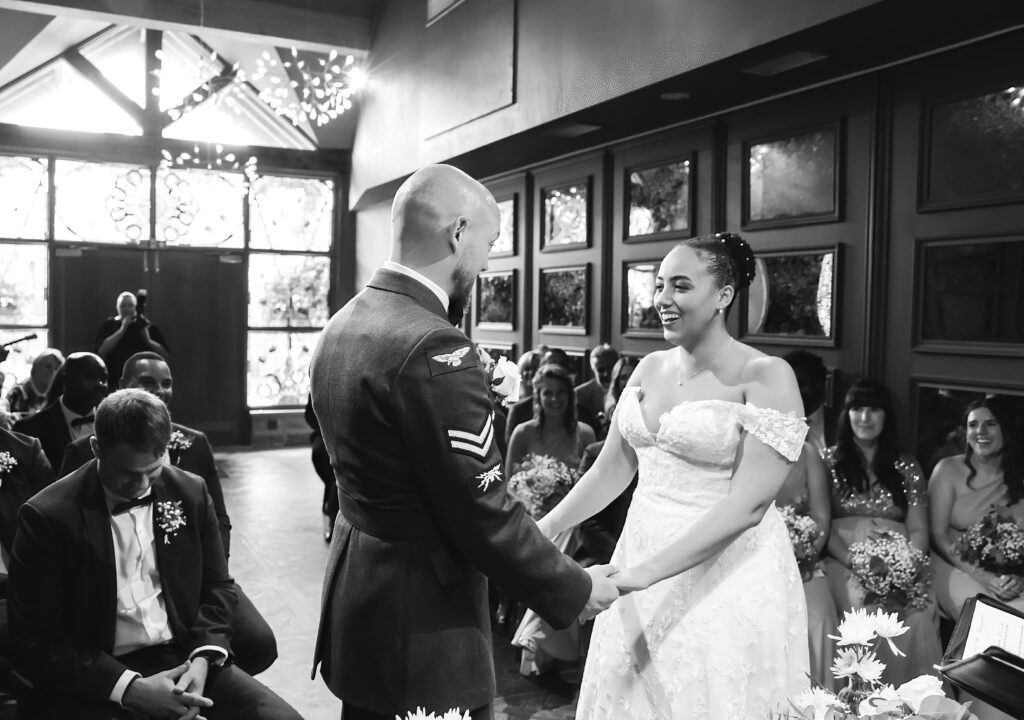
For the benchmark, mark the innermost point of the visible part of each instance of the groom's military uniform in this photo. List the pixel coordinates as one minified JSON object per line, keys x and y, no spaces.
{"x":404,"y":408}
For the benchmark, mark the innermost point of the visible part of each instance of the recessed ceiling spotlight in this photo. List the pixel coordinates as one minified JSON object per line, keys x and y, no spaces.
{"x":675,"y":96}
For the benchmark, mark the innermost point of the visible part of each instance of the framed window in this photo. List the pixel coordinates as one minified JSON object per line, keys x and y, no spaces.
{"x":794,"y":297}
{"x":792,"y":179}
{"x":565,"y":299}
{"x":506,"y":244}
{"x":495,"y":307}
{"x":501,"y":350}
{"x":639,"y":315}
{"x":973,"y":150}
{"x":659,"y":201}
{"x":101,"y":202}
{"x":25,"y":188}
{"x":565,"y":223}
{"x":970,"y":295}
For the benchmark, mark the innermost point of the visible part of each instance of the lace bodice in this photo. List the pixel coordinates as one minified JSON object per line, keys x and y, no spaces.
{"x":701,"y":436}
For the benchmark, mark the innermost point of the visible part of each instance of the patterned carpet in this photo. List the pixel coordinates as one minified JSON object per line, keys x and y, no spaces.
{"x":278,"y":554}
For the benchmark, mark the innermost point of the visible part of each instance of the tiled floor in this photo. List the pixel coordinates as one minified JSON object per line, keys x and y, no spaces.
{"x":278,"y":554}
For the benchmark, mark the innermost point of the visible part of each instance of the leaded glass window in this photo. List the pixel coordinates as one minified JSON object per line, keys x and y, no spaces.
{"x":101,"y":202}
{"x":23,"y":281}
{"x":23,"y":198}
{"x":199,"y":207}
{"x":290,"y":213}
{"x":278,"y":368}
{"x":121,"y":57}
{"x":288,"y":290}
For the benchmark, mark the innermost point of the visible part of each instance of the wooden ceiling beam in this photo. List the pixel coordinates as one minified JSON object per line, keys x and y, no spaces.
{"x":248,"y":20}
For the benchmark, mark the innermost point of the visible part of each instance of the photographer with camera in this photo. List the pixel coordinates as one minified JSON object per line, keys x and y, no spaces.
{"x":129,"y":332}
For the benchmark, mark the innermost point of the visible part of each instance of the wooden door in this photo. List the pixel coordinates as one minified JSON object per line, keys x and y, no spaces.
{"x":196,"y":298}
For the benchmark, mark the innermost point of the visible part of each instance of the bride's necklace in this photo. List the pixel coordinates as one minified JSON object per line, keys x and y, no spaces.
{"x":680,"y":381}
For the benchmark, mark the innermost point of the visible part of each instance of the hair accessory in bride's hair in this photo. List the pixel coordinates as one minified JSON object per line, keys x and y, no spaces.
{"x":728,"y":258}
{"x":742,"y":257}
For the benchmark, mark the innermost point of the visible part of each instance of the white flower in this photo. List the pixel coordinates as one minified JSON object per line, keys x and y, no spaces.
{"x":819,"y":700}
{"x":847,"y":663}
{"x":7,"y":463}
{"x":883,"y":700}
{"x":421,"y":714}
{"x":857,"y":628}
{"x":870,"y":668}
{"x":170,"y":517}
{"x":888,"y":626}
{"x":913,"y":692}
{"x":505,"y":380}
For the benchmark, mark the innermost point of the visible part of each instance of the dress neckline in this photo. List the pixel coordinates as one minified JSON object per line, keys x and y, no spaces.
{"x":661,"y":418}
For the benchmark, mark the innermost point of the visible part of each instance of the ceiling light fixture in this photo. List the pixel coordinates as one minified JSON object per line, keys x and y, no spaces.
{"x":317,"y":92}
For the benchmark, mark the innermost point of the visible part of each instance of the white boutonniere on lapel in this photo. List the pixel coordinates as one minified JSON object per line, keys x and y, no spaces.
{"x":179,"y":443}
{"x":7,"y":463}
{"x":170,"y":518}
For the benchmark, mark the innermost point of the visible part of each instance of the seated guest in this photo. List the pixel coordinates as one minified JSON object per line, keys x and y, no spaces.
{"x":254,"y":644}
{"x":24,"y":471}
{"x":29,"y":397}
{"x":590,"y":396}
{"x":523,"y":410}
{"x":81,"y":383}
{"x":987,"y":476}
{"x":874,"y":489}
{"x":812,"y":375}
{"x":120,"y":598}
{"x":128,"y":332}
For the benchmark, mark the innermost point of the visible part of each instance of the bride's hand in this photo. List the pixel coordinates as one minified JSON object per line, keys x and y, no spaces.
{"x":629,"y":580}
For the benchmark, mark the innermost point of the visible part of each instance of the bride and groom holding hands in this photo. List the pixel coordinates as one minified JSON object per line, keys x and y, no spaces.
{"x":701,"y":612}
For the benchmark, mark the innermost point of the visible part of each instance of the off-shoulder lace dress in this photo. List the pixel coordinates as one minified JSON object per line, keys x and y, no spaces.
{"x":726,"y":640}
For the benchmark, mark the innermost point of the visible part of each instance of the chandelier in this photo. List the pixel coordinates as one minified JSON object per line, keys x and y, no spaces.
{"x":211,"y":156}
{"x":317,"y":92}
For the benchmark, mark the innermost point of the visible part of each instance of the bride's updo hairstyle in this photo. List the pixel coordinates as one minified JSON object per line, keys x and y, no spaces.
{"x":728,"y":259}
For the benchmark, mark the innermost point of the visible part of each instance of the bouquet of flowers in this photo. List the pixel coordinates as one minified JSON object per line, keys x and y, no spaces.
{"x":995,"y":542}
{"x":540,"y":482}
{"x":421,"y":714}
{"x":893,"y":572}
{"x":865,"y":697}
{"x":803,"y":533}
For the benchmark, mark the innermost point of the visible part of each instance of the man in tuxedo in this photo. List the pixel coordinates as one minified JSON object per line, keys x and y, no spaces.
{"x":253,"y":640}
{"x":24,"y":471}
{"x":82,"y":380}
{"x":404,"y":408}
{"x":120,"y":598}
{"x":590,"y":396}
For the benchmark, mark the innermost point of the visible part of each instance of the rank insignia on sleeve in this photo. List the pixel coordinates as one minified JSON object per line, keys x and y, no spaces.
{"x":486,"y":479}
{"x":451,"y":359}
{"x":475,"y":444}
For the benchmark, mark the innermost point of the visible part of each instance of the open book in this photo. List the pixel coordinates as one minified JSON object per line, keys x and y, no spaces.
{"x":984,"y":655}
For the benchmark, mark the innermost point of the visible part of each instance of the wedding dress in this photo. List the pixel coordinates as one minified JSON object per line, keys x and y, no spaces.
{"x":727,"y":639}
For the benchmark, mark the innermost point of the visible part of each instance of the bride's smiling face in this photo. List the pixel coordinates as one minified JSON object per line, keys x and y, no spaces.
{"x":685,"y":294}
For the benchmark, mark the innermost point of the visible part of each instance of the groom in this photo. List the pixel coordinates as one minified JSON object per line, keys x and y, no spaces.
{"x":406,"y":416}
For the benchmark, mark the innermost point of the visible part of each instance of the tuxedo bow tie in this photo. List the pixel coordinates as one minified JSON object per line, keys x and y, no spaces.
{"x":84,"y":420}
{"x":123,"y":507}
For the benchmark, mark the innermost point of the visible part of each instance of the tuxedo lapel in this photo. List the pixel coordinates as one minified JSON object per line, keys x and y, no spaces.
{"x":96,"y":521}
{"x":173,"y":551}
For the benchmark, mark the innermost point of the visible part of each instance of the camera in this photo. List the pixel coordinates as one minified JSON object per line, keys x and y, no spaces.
{"x":140,"y":300}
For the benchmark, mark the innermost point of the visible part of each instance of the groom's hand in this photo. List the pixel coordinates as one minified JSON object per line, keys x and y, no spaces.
{"x":603,"y":593}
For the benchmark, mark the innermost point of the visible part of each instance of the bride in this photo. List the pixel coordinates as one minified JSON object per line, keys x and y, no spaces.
{"x":712,"y":623}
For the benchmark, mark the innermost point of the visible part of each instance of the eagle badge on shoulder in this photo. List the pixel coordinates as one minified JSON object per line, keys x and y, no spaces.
{"x":453,"y":359}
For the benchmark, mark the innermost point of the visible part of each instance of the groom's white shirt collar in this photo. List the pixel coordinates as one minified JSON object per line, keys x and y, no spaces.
{"x":420,"y":278}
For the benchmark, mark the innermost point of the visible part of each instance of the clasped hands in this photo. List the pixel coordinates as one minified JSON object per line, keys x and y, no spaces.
{"x":1006,"y":587}
{"x":609,"y":584}
{"x":175,"y":694}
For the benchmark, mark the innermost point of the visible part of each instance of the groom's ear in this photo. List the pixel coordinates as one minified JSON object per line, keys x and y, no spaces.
{"x":457,"y":232}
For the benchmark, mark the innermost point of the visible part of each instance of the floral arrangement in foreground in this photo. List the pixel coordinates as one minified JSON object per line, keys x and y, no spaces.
{"x":7,"y":463}
{"x":421,"y":714}
{"x":893,"y":573}
{"x":864,"y":696}
{"x":803,"y":534}
{"x":540,"y":482}
{"x":995,"y":542}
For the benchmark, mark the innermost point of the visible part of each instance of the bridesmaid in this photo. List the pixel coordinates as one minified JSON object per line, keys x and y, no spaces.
{"x":875,"y":489}
{"x":963,"y":488}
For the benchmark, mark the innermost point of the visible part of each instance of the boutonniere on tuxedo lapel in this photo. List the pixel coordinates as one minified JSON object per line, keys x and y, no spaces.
{"x":7,"y":463}
{"x":179,"y":443}
{"x":170,"y":517}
